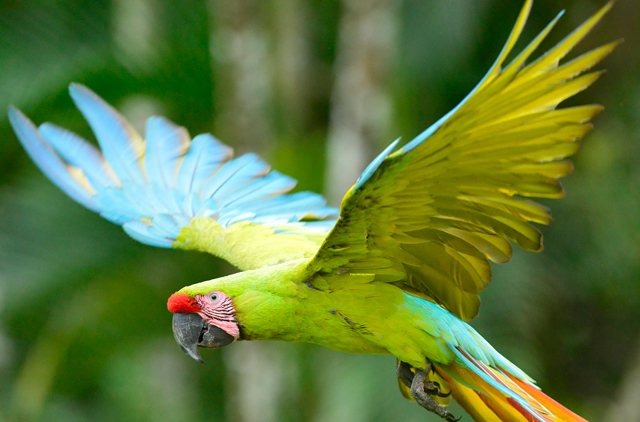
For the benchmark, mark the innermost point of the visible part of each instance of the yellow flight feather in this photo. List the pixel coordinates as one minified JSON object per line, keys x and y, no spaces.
{"x":439,"y":209}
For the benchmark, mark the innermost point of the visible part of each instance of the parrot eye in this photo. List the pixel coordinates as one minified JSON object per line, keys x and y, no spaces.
{"x":213,"y":297}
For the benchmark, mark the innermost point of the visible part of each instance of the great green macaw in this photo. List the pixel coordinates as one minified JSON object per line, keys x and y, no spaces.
{"x":397,"y":270}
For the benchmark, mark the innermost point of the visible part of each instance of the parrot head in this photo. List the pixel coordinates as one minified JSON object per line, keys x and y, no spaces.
{"x":205,"y":320}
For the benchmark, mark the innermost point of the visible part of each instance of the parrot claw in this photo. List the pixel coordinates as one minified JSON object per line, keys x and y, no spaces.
{"x":423,"y":391}
{"x":434,"y":389}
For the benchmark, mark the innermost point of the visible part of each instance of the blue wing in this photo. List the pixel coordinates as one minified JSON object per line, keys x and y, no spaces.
{"x":156,"y":187}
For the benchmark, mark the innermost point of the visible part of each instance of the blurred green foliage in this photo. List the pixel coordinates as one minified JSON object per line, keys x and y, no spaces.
{"x":84,"y":333}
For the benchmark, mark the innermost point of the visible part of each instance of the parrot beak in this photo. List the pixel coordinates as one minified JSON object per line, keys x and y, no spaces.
{"x":191,"y":331}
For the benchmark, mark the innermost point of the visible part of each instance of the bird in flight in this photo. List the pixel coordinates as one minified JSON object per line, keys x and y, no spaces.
{"x":397,"y":269}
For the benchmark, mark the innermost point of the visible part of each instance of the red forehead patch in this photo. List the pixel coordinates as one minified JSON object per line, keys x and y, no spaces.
{"x":182,"y":303}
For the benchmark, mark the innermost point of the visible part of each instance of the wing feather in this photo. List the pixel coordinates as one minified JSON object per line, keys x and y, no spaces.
{"x":121,"y":145}
{"x":205,"y":156}
{"x":166,"y":145}
{"x":437,"y":210}
{"x":173,"y":192}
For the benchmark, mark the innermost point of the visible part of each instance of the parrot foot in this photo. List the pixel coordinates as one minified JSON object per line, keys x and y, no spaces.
{"x":423,"y":391}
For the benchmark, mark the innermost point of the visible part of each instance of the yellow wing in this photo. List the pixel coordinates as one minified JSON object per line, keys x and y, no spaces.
{"x":429,"y":216}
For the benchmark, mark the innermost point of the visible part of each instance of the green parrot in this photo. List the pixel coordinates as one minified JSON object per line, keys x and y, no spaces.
{"x":397,"y":270}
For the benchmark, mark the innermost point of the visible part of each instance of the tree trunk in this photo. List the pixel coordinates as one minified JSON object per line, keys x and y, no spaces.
{"x":361,"y":102}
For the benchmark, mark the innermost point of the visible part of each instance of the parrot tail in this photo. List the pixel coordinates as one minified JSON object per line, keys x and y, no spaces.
{"x":491,"y":395}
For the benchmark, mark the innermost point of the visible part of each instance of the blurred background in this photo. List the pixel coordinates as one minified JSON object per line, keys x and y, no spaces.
{"x":317,"y":88}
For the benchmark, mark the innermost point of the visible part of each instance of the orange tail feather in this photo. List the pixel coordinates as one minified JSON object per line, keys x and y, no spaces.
{"x":561,"y":412}
{"x":485,"y":403}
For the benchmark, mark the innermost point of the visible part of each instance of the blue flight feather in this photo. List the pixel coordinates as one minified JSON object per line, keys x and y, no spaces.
{"x":140,"y":232}
{"x":297,"y":210}
{"x":319,"y":226}
{"x":205,"y":156}
{"x":191,"y":203}
{"x":47,"y":160}
{"x":166,"y":145}
{"x":233,"y":217}
{"x":300,"y":199}
{"x":157,"y":199}
{"x":166,"y":224}
{"x":115,"y":206}
{"x":288,"y":216}
{"x":137,"y":199}
{"x":79,"y":153}
{"x":171,"y":198}
{"x":119,"y":141}
{"x":272,"y":184}
{"x":323,"y":212}
{"x":234,"y":174}
{"x":156,"y":191}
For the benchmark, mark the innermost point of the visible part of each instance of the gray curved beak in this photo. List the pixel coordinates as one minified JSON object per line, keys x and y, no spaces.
{"x":191,"y":331}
